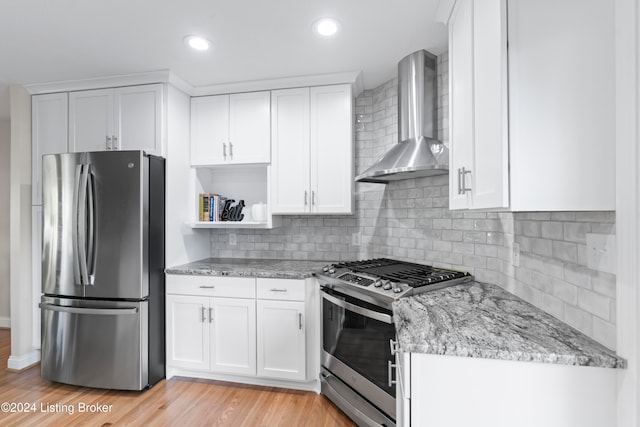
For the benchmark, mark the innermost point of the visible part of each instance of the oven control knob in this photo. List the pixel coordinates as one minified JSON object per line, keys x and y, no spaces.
{"x":331,"y":271}
{"x":377,"y":283}
{"x":387,"y":286}
{"x":326,"y":268}
{"x":397,"y":290}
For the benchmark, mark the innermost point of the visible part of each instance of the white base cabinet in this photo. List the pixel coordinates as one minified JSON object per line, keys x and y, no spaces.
{"x":281,"y":329}
{"x":257,"y":331}
{"x":216,"y":334}
{"x":465,"y":391}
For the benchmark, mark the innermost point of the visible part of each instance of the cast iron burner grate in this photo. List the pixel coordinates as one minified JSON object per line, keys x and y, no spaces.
{"x":414,"y":275}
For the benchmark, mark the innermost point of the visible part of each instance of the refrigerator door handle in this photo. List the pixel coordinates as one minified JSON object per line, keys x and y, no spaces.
{"x":74,"y":226}
{"x":82,"y":224}
{"x":91,"y":228}
{"x":79,"y":310}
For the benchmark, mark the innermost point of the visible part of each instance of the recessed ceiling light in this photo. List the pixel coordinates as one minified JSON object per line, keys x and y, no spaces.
{"x":197,"y":42}
{"x":326,"y":27}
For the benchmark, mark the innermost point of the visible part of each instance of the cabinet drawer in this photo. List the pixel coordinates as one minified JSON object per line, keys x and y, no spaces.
{"x":234,"y":287}
{"x":281,"y":289}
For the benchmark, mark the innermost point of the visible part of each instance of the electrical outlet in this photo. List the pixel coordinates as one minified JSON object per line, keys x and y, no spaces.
{"x":233,"y":239}
{"x":356,"y":239}
{"x":515,"y":260}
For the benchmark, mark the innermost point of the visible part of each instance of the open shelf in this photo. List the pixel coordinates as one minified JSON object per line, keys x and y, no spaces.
{"x":238,"y":182}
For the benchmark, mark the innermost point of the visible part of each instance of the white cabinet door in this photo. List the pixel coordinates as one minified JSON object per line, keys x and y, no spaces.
{"x":90,"y":120}
{"x":49,"y":134}
{"x":209,"y":130}
{"x":479,"y":147}
{"x":562,"y":105}
{"x":461,"y":107}
{"x":138,"y":120}
{"x":490,"y":173}
{"x":187,"y":332}
{"x":290,"y":176}
{"x":249,"y":128}
{"x":36,"y":279}
{"x":233,"y":336}
{"x":281,"y":339}
{"x":331,"y":150}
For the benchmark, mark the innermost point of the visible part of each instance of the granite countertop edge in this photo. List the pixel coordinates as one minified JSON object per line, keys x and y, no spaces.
{"x":481,"y":320}
{"x":249,"y":267}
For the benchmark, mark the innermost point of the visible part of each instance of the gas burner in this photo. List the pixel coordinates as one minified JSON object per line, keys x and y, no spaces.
{"x":384,"y":279}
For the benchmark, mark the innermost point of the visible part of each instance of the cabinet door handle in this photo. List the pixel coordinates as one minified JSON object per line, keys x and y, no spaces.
{"x":210,"y":314}
{"x":224,"y":150}
{"x":204,"y":310}
{"x":300,"y":321}
{"x":390,"y":368}
{"x":230,"y":150}
{"x":313,"y":197}
{"x":108,"y":143}
{"x":462,"y":180}
{"x":114,"y":146}
{"x":305,"y":198}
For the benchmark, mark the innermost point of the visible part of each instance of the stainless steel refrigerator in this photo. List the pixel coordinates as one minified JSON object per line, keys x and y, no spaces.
{"x":102,"y":311}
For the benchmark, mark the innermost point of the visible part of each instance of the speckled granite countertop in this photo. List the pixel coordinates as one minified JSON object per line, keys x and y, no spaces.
{"x":483,"y":320}
{"x":248,"y":267}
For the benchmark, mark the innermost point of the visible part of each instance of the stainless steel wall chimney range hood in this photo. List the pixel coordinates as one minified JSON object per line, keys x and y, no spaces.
{"x":418,"y":153}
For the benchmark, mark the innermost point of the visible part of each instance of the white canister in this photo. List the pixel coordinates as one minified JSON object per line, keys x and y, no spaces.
{"x":259,"y":212}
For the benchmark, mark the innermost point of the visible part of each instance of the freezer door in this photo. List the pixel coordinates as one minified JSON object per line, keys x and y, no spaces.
{"x":100,"y":344}
{"x":95,"y":208}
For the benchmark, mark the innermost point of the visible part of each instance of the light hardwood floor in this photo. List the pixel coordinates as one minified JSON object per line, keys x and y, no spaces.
{"x":179,"y":401}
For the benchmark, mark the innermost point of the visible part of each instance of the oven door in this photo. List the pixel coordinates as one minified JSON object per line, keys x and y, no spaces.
{"x":356,"y":347}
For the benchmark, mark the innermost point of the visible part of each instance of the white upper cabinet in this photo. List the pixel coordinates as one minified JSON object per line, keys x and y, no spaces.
{"x":479,"y":167}
{"x":49,"y":134}
{"x":561,"y":104}
{"x":290,"y":176}
{"x":127,"y":118}
{"x":532,"y":105}
{"x":312,"y":165}
{"x":231,"y":129}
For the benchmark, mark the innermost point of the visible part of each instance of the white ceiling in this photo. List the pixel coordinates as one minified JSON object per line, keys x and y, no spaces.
{"x":45,"y":41}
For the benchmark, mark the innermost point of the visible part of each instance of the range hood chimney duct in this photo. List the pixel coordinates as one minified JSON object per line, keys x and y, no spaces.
{"x":418,"y":153}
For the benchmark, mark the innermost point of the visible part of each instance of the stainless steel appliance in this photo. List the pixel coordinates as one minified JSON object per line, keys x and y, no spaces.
{"x":418,"y":152}
{"x":358,"y":333}
{"x":102,"y":311}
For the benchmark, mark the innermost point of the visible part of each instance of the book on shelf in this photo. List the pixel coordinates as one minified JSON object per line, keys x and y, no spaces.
{"x":210,"y":207}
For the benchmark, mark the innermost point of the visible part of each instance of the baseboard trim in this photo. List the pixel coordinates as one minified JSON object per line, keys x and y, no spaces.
{"x":20,"y":363}
{"x":313,"y":385}
{"x":5,"y":322}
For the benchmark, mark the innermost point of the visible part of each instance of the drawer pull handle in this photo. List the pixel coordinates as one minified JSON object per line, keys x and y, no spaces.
{"x":278,"y":290}
{"x":207,"y":287}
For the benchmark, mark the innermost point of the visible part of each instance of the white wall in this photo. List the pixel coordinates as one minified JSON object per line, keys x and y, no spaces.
{"x":23,"y":353}
{"x":5,"y":152}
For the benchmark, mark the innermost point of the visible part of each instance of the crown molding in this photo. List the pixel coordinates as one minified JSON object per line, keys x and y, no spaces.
{"x":159,"y":76}
{"x":353,"y":78}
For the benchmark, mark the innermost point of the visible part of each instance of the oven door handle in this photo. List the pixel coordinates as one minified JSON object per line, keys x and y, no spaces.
{"x":357,"y":309}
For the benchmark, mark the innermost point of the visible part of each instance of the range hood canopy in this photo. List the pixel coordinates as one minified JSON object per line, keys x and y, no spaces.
{"x":418,"y":153}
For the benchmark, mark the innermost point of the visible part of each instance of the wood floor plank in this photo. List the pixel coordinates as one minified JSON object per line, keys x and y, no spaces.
{"x":177,"y":402}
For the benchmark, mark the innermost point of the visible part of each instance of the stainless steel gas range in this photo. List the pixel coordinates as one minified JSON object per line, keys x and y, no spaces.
{"x":358,"y":334}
